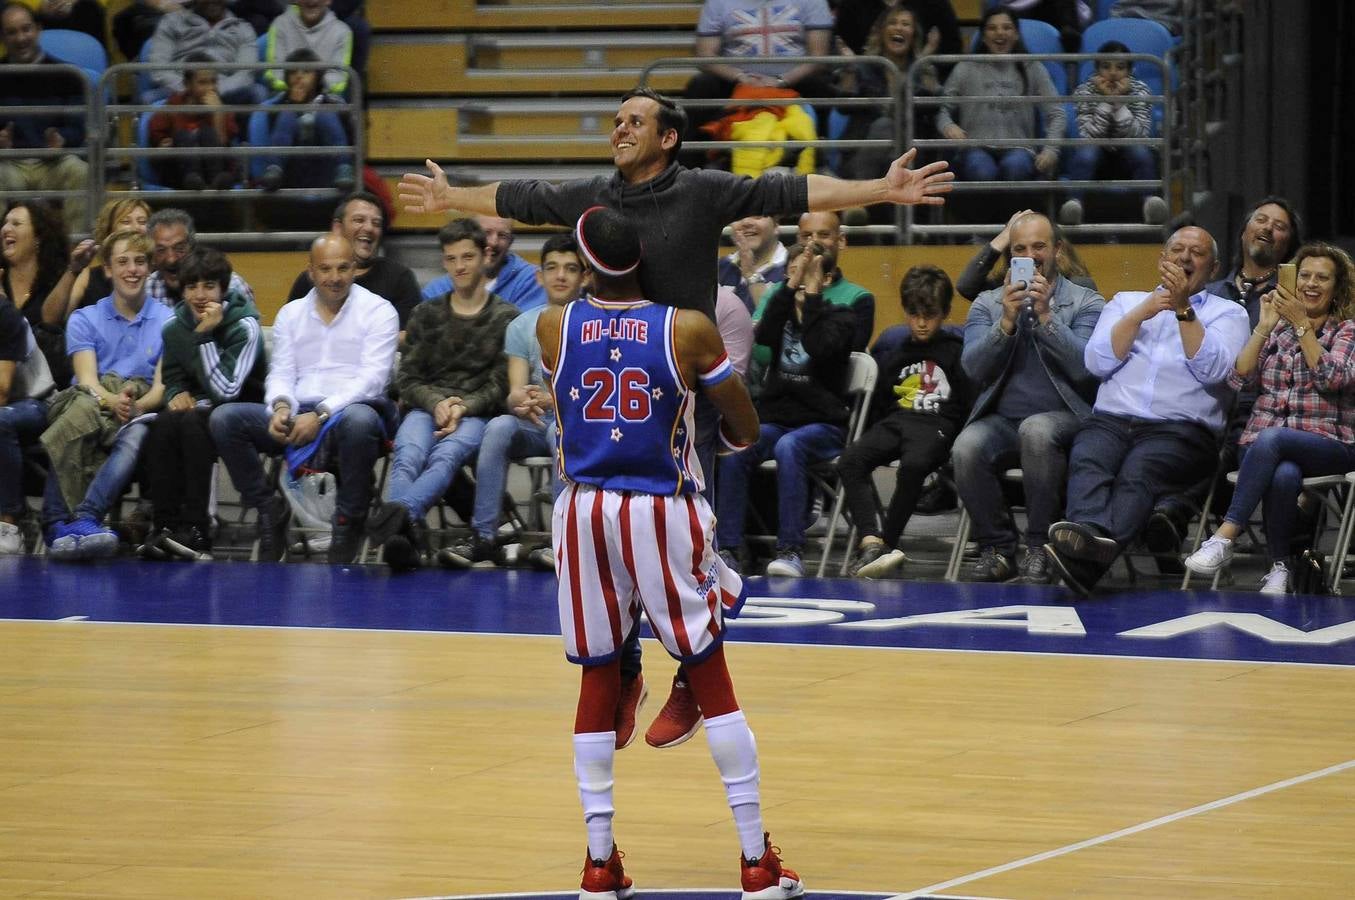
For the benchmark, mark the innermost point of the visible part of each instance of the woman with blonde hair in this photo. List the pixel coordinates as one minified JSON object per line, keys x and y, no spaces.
{"x":92,"y":285}
{"x":1302,"y":353}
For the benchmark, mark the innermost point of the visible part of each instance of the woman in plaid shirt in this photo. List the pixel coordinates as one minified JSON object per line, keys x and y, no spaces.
{"x":1303,"y":424}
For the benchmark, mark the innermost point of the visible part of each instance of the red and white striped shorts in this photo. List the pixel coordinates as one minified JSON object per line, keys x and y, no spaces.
{"x":617,"y":550}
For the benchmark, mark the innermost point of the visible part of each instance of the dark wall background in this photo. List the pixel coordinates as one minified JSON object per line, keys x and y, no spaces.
{"x":1291,"y":119}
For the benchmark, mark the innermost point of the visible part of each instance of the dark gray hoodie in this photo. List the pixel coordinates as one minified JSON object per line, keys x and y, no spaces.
{"x":678,"y":215}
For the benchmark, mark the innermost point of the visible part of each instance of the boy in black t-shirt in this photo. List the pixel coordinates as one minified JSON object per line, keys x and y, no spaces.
{"x":920,"y":402}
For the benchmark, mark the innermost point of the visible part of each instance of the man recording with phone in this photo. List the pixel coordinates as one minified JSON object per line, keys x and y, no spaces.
{"x":1023,"y":351}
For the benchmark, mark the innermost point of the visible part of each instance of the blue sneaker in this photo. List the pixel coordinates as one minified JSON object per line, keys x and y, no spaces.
{"x":787,"y":564}
{"x":93,"y":540}
{"x":63,"y":542}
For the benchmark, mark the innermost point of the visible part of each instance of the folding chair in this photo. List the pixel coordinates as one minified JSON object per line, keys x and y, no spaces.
{"x":1320,"y":487}
{"x":862,"y":373}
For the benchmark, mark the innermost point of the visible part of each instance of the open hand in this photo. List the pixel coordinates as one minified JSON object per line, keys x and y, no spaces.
{"x":425,"y":193}
{"x":926,"y":186}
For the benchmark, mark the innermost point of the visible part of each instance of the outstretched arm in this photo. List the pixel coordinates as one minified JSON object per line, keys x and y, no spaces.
{"x":926,"y":186}
{"x":431,"y":193}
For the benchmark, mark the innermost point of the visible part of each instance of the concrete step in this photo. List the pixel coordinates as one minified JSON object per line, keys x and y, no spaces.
{"x":582,"y":50}
{"x":467,"y":15}
{"x":442,"y":65}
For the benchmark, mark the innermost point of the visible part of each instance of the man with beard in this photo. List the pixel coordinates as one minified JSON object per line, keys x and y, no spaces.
{"x":507,"y":275}
{"x":174,"y":237}
{"x":360,"y":218}
{"x":1163,"y":357}
{"x":1271,"y":232}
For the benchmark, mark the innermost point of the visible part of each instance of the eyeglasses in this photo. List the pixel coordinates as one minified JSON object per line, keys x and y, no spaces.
{"x":179,"y":249}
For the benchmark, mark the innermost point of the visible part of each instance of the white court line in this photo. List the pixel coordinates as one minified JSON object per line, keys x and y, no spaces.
{"x":1052,"y":654}
{"x":1126,"y":832}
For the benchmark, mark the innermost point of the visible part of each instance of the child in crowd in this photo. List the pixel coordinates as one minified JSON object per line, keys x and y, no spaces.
{"x":1100,"y":115}
{"x":207,"y":131}
{"x":213,"y":354}
{"x":920,"y":403}
{"x":312,"y":128}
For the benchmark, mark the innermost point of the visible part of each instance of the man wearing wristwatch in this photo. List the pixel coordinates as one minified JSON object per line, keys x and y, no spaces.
{"x":1163,"y":357}
{"x":330,"y":364}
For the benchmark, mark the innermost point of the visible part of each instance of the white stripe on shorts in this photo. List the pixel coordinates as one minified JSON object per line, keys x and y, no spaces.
{"x":615,"y":550}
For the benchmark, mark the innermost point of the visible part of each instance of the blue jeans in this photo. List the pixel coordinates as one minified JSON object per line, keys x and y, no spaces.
{"x":977,"y":164}
{"x":1274,"y":466}
{"x":302,"y":171}
{"x":21,"y":424}
{"x":108,"y":484}
{"x":1129,"y":162}
{"x":505,"y":438}
{"x":422,"y":468}
{"x":990,"y":445}
{"x":1119,"y":467}
{"x":795,"y":450}
{"x":240,"y":432}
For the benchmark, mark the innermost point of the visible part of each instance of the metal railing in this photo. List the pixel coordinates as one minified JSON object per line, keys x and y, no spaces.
{"x":102,"y":149}
{"x":907,"y":214}
{"x":89,"y":111}
{"x":902,"y":113}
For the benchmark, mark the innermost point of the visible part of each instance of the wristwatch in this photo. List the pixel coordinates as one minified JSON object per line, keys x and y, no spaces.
{"x":1188,"y":315}
{"x":1300,"y":330}
{"x":755,"y":278}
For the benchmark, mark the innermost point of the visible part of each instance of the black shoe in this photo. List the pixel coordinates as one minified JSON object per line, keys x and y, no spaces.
{"x":345,"y":540}
{"x":1074,"y":540}
{"x":993,"y":566}
{"x":542,"y":558}
{"x":271,"y":528}
{"x":1162,"y":537}
{"x":938,"y":496}
{"x":1079,"y":575}
{"x":389,"y":520}
{"x":1034,"y":567}
{"x":469,"y":553}
{"x":401,"y":554}
{"x":188,"y":542}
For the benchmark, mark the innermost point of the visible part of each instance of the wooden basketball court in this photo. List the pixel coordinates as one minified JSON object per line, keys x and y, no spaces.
{"x":240,"y":730}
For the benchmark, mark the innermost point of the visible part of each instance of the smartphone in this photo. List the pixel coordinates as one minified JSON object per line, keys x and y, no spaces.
{"x":1023,"y":269}
{"x":1289,"y":277}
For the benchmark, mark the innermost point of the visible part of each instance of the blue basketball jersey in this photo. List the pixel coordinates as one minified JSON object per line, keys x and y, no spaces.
{"x":625,"y":413}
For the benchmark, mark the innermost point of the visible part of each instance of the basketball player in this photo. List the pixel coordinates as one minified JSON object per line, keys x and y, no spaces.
{"x":631,"y":528}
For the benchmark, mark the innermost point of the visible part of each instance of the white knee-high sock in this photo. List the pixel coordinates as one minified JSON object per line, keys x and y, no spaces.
{"x":735,"y":754}
{"x":593,"y":755}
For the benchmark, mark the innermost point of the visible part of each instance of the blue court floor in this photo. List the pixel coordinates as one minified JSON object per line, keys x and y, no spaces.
{"x":1159,"y":623}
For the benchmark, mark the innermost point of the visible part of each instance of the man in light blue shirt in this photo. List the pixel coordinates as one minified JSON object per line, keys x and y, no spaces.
{"x":1163,"y":358}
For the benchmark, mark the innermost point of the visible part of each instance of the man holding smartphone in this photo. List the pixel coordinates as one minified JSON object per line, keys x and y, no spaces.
{"x":1023,"y":351}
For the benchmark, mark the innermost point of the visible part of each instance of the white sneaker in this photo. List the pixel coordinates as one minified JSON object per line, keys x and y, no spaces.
{"x":1276,"y":581}
{"x":1214,"y":554}
{"x":11,"y":540}
{"x":883,"y":566}
{"x":786,"y":565}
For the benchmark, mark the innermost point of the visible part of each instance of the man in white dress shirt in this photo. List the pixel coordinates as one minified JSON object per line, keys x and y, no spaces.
{"x":325,"y":400}
{"x":1163,"y":357}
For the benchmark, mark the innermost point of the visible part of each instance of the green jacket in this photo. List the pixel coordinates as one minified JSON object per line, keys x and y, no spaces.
{"x":447,"y":355}
{"x":224,"y":365}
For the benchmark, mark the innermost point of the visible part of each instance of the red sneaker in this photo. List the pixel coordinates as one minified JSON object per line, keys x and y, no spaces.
{"x":677,"y":721}
{"x":605,"y":879}
{"x":633,"y":696}
{"x":766,"y":878}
